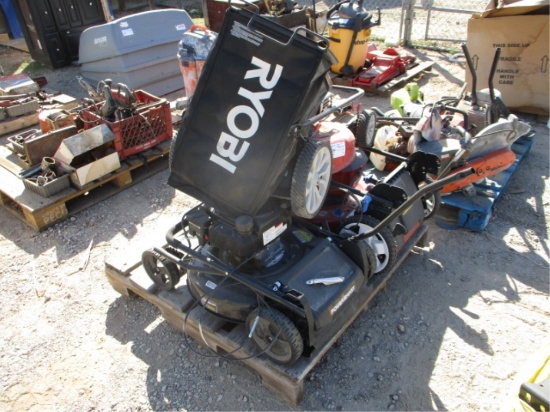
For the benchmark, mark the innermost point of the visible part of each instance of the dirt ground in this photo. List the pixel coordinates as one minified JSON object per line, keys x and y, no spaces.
{"x":452,"y":329}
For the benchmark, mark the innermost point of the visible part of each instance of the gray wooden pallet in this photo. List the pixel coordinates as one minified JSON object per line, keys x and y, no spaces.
{"x":41,"y":212}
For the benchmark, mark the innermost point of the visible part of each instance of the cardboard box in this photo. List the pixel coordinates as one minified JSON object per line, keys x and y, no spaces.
{"x":523,"y":71}
{"x":88,"y":155}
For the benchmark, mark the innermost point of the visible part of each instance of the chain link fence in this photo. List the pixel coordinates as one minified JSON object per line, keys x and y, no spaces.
{"x":441,"y":24}
{"x":437,"y":23}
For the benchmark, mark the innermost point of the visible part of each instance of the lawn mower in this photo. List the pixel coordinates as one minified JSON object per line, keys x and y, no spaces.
{"x":267,"y":153}
{"x":474,"y":131}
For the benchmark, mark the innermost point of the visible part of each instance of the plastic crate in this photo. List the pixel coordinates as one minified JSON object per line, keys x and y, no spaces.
{"x":61,"y":182}
{"x":22,"y":108}
{"x":135,"y":134}
{"x":18,"y":140}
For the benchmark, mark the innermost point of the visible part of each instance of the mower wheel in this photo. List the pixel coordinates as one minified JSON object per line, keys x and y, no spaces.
{"x":164,"y":273}
{"x":174,"y":144}
{"x":365,"y":127}
{"x":362,"y":255}
{"x":311,"y":179}
{"x":275,"y":334}
{"x":173,"y":149}
{"x":383,"y":243}
{"x":431,"y":202}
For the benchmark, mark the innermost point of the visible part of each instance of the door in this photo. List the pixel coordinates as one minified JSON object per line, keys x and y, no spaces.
{"x":90,"y":12}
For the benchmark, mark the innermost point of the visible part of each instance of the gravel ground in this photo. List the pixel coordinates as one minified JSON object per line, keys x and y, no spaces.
{"x":450,"y":331}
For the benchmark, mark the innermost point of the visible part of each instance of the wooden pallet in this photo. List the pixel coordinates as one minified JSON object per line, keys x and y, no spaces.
{"x":58,"y":101}
{"x":41,"y":212}
{"x":474,"y":213}
{"x":12,"y":124}
{"x":127,"y":276}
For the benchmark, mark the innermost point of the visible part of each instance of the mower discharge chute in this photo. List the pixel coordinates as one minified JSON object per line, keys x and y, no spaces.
{"x":262,"y":147}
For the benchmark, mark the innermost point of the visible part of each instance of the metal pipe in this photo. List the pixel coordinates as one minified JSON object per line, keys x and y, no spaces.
{"x":492,"y":73}
{"x":472,"y":69}
{"x":358,"y":93}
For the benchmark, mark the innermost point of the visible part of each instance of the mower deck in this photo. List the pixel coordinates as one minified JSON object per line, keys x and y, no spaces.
{"x":129,"y":278}
{"x":474,"y":213}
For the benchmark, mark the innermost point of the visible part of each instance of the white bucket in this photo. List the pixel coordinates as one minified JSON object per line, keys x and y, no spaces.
{"x":385,"y":137}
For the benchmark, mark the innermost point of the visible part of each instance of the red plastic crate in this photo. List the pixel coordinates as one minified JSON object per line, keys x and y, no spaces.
{"x":152,"y":125}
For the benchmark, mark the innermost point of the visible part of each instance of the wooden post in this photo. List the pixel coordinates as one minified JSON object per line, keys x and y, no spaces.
{"x":107,"y":11}
{"x":408,"y":7}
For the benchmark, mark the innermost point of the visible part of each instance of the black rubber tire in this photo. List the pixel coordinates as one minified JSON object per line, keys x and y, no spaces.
{"x":362,"y":255}
{"x":309,"y":187}
{"x":174,"y":141}
{"x":173,"y":148}
{"x":371,"y":256}
{"x":383,"y":244}
{"x":364,"y":129}
{"x":431,"y":202}
{"x":288,"y":345}
{"x":164,"y":273}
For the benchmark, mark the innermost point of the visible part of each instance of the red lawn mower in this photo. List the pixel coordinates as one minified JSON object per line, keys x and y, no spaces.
{"x":473,"y":131}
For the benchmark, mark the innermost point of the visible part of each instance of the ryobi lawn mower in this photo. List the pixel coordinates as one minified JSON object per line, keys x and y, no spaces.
{"x":267,"y":155}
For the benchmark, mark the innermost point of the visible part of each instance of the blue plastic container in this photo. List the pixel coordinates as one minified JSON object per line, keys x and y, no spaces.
{"x":11,"y":18}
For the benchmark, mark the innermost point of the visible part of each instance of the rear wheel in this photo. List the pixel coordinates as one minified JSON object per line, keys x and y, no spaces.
{"x":275,"y":335}
{"x":364,"y":129}
{"x":383,"y":243}
{"x":311,"y":179}
{"x":431,"y":202}
{"x":362,"y":255}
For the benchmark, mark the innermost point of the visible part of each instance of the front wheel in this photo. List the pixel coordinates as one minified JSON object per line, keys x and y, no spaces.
{"x":311,"y":179}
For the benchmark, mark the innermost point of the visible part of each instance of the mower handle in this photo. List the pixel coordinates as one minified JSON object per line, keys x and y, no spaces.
{"x":358,"y":93}
{"x":256,"y":13}
{"x":432,"y":187}
{"x":471,"y":68}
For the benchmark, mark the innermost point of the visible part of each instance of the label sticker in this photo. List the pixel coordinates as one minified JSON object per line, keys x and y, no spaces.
{"x":100,"y":41}
{"x":240,"y":31}
{"x":124,"y":24}
{"x":181,"y":27}
{"x":211,"y":285}
{"x":339,"y":304}
{"x":127,"y":32}
{"x":273,"y":232}
{"x":338,"y":149}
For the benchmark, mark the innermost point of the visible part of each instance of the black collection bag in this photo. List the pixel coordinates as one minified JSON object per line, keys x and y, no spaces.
{"x":234,"y":144}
